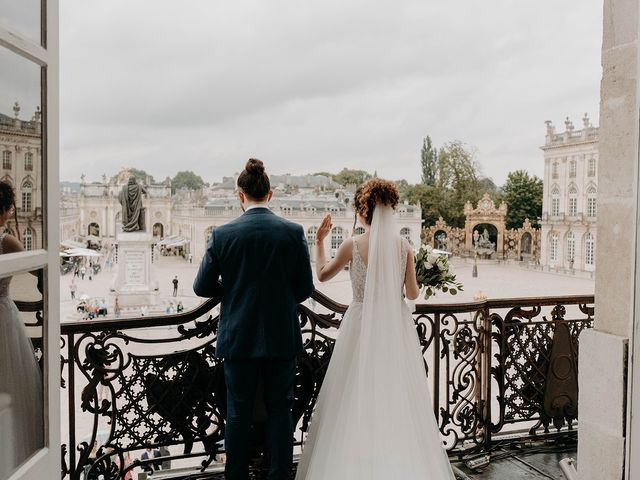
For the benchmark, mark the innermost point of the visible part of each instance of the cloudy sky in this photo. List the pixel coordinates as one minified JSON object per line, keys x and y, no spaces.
{"x":317,"y":86}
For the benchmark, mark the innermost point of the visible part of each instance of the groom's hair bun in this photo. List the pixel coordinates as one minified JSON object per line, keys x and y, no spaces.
{"x":7,"y":196}
{"x":375,"y":192}
{"x":254,"y":181}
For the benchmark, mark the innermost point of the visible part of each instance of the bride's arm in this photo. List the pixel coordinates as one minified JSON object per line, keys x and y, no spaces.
{"x":411,"y":287}
{"x":327,"y":270}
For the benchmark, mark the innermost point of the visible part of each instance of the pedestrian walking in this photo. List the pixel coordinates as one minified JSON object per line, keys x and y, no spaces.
{"x":116,"y":306}
{"x":72,"y":288}
{"x":83,"y":271}
{"x":175,"y":286}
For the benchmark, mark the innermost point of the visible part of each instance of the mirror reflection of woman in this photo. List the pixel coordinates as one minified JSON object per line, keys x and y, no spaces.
{"x":20,"y":375}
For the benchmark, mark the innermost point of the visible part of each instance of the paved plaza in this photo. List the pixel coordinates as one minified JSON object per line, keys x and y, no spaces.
{"x":494,"y":280}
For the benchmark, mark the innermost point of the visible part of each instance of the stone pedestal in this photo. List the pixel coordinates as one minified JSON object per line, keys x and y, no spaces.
{"x":134,"y":281}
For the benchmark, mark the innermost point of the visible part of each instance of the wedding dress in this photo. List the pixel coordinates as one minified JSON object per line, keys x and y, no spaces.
{"x":373,"y":419}
{"x":21,"y":378}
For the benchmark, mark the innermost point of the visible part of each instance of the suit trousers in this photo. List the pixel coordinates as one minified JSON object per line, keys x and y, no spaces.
{"x":242,"y":377}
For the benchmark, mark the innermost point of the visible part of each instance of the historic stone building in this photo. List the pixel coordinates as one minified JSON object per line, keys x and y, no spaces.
{"x":183,"y":223}
{"x":21,"y":150}
{"x":568,"y":226}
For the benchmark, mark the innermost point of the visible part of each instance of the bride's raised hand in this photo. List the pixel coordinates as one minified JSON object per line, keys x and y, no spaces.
{"x":324,"y":228}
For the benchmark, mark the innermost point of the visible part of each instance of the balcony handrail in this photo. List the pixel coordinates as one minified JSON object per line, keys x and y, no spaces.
{"x":488,"y":367}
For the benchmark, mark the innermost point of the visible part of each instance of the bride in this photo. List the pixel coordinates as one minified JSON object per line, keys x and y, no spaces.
{"x":20,"y":374}
{"x":373,"y":418}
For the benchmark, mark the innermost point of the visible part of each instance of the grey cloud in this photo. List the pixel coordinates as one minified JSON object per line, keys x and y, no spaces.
{"x":319,"y":86}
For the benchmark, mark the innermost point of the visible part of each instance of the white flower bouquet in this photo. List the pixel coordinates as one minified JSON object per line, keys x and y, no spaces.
{"x":433,"y":272}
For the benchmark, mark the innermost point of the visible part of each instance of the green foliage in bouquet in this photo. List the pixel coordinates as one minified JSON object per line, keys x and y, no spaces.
{"x":433,"y":273}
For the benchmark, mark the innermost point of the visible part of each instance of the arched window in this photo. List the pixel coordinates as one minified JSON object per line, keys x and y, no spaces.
{"x":573,"y":167}
{"x":592,"y":167}
{"x":555,"y":202}
{"x":589,"y":249}
{"x":406,"y":233}
{"x":572,"y":209}
{"x":554,"y":170}
{"x":311,"y":236}
{"x":6,"y":160}
{"x":27,"y":196}
{"x":571,"y":247}
{"x":93,"y":229}
{"x":359,"y":230}
{"x":553,"y":250}
{"x":337,"y":237}
{"x":591,"y":201}
{"x":27,"y":238}
{"x":158,"y":230}
{"x":28,"y":161}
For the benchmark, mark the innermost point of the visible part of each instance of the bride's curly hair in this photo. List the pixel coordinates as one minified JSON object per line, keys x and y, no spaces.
{"x":7,"y":196}
{"x":375,"y":192}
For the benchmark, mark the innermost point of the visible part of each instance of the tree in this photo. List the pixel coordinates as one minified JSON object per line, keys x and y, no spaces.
{"x":434,"y":201}
{"x":458,"y":175}
{"x":348,"y":176}
{"x":429,"y":162}
{"x":140,"y":175}
{"x":523,"y":195}
{"x":186,"y":179}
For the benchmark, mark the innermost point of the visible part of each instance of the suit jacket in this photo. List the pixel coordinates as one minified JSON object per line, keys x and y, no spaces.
{"x":263,"y":263}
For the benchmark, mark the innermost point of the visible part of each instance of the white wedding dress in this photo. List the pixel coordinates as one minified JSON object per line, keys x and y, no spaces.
{"x":373,"y":419}
{"x":21,"y":378}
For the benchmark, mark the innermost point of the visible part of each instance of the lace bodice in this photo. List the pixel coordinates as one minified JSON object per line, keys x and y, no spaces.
{"x":358,"y":270}
{"x":4,"y":282}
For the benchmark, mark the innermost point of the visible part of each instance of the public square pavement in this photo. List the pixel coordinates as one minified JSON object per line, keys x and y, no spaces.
{"x":494,"y":280}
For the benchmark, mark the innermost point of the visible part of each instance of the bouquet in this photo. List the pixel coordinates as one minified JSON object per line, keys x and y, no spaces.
{"x":434,"y":273}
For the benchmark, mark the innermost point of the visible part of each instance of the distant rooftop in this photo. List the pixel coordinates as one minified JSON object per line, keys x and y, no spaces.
{"x":588,"y":133}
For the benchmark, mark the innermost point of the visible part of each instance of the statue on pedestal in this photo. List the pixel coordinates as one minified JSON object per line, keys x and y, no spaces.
{"x":130,"y":198}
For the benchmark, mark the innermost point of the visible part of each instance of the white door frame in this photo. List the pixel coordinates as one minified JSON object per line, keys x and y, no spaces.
{"x":44,"y":464}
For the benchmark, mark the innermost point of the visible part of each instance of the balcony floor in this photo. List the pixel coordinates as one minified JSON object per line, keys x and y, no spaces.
{"x":527,"y":466}
{"x":505,"y":465}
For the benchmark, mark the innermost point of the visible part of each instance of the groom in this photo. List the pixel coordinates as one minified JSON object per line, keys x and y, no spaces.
{"x":259,"y":266}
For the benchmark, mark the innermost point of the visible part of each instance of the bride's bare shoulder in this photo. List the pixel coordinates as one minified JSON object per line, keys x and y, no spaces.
{"x":11,"y":244}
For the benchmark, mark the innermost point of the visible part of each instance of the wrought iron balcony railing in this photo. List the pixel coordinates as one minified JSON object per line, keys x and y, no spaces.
{"x":494,"y":367}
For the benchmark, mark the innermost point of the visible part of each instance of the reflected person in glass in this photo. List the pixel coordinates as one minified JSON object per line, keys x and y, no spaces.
{"x":20,"y":375}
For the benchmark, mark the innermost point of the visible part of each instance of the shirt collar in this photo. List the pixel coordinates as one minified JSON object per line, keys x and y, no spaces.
{"x":256,"y":206}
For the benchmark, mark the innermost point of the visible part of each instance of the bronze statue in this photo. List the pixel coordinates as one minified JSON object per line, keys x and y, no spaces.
{"x":130,"y":198}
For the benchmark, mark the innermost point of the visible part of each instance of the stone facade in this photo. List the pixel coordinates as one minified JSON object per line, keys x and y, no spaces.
{"x":191,"y":216}
{"x":568,"y":225}
{"x":196,"y":223}
{"x":21,"y":166}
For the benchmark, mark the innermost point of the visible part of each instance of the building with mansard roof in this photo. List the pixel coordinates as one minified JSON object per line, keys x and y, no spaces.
{"x":182,"y":223}
{"x":568,"y":226}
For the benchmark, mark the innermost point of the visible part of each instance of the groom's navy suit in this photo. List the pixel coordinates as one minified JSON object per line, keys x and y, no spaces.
{"x":259,"y":266}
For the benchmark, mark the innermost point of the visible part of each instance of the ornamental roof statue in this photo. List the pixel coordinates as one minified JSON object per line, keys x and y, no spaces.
{"x":130,"y":198}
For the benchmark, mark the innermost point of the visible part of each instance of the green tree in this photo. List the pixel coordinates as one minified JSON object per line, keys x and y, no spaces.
{"x":186,"y":179}
{"x":523,"y":195}
{"x":429,"y":162}
{"x":435,"y":202}
{"x":348,"y":176}
{"x":140,"y":175}
{"x":458,"y":174}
